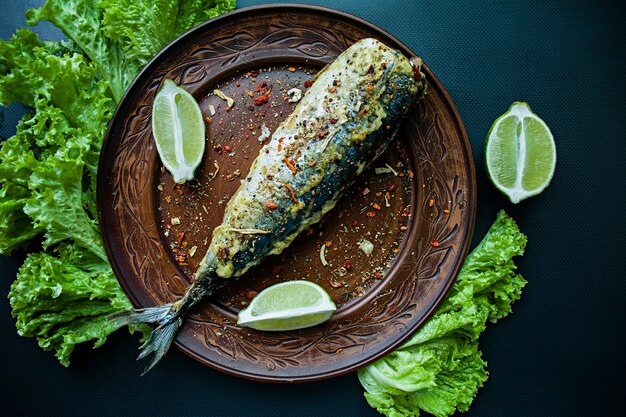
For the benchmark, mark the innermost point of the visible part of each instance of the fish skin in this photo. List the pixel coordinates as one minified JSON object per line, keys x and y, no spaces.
{"x":342,"y":124}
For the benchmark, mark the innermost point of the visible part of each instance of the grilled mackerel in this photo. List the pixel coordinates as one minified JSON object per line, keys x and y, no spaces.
{"x":345,"y":121}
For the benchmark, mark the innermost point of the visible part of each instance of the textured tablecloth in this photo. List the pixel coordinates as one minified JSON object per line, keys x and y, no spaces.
{"x":557,"y":355}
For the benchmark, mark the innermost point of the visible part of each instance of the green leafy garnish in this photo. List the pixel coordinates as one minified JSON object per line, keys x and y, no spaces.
{"x":65,"y":290}
{"x":440,"y":369}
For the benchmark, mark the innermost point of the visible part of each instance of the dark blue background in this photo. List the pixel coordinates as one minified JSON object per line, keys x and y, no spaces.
{"x":559,"y":354}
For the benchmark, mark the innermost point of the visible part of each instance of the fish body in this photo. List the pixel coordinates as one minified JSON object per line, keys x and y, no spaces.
{"x":345,"y":121}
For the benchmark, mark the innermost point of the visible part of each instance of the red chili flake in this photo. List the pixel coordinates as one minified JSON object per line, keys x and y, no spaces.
{"x":208,"y":120}
{"x":238,"y":84}
{"x":410,"y":174}
{"x":435,"y":243}
{"x":392,"y":187}
{"x":308,"y":83}
{"x":371,"y":214}
{"x":271,"y":206}
{"x":276,"y":269}
{"x":332,"y":121}
{"x":378,"y":275}
{"x":260,"y":86}
{"x":375,"y":206}
{"x":431,"y":202}
{"x":334,"y":284}
{"x":322,"y":133}
{"x":370,"y":70}
{"x":181,"y":236}
{"x":354,"y":223}
{"x":243,"y":293}
{"x":259,"y":101}
{"x":251,"y":294}
{"x":290,"y":165}
{"x":218,"y":148}
{"x":292,"y":192}
{"x":362,"y":112}
{"x":228,"y":148}
{"x":254,"y":73}
{"x":348,"y":265}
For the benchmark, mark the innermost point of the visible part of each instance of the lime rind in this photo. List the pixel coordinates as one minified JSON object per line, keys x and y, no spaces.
{"x":515,"y":184}
{"x":292,"y":317}
{"x":179,"y":131}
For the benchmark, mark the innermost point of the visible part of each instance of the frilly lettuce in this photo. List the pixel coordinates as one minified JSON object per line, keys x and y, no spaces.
{"x":121,"y":36}
{"x":440,"y":369}
{"x":65,"y":289}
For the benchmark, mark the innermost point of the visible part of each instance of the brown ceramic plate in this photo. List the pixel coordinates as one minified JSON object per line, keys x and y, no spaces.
{"x":155,"y":232}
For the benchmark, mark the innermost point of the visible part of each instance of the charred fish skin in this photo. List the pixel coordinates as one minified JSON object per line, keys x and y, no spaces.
{"x":345,"y":121}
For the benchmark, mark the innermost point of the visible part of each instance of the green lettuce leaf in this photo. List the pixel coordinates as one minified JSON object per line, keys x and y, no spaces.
{"x":121,"y":36}
{"x":440,"y":369}
{"x":81,"y":21}
{"x":48,"y":169}
{"x":62,"y":298}
{"x":55,"y":150}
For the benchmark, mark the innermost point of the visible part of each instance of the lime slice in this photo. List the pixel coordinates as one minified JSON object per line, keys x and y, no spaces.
{"x":178,"y":130}
{"x":288,"y":306}
{"x":520,"y":154}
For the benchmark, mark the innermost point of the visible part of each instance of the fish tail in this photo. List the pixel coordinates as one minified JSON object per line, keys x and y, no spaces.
{"x":167,"y":318}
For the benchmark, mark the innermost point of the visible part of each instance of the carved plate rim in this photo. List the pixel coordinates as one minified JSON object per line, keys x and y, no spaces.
{"x":460,"y":247}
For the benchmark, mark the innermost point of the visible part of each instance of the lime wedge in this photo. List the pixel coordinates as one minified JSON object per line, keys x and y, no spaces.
{"x":288,"y":306}
{"x":520,"y":154}
{"x":178,"y":130}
